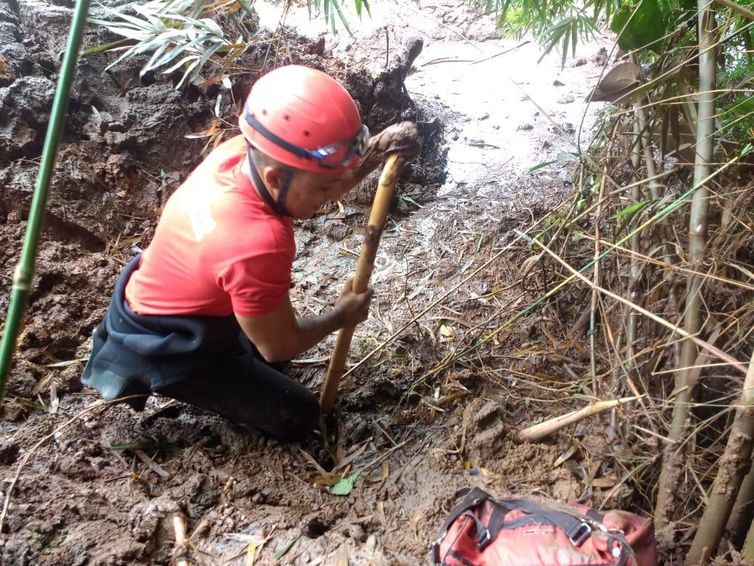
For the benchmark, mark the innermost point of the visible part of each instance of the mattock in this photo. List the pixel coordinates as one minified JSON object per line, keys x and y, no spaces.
{"x":364,"y":270}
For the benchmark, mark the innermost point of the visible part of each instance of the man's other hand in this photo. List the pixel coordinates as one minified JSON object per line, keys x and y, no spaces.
{"x":352,"y":307}
{"x":401,"y":139}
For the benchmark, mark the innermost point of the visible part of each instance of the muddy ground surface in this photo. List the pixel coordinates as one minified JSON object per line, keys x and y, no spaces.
{"x":100,"y":485}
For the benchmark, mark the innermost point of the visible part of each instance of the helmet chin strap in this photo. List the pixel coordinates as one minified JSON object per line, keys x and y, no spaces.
{"x":279,"y":205}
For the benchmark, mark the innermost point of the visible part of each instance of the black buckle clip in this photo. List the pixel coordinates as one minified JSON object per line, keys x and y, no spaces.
{"x":483,"y":539}
{"x":579,"y":535}
{"x":435,"y":550}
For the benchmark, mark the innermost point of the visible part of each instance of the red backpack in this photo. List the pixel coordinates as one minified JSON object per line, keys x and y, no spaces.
{"x":482,"y":531}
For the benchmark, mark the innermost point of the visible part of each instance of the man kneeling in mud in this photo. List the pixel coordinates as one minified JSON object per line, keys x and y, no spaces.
{"x":204,"y":315}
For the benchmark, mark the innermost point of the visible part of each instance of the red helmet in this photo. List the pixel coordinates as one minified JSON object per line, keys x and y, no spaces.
{"x":304,"y":118}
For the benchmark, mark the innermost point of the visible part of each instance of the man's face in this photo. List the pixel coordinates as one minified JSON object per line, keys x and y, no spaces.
{"x":308,"y":191}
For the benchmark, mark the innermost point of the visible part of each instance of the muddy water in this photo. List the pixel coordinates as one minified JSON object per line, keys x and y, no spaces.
{"x":507,"y":110}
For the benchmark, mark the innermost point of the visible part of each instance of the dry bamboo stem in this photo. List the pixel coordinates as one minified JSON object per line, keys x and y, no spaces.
{"x":670,"y":475}
{"x":747,"y":551}
{"x":655,"y":188}
{"x":717,"y":352}
{"x":550,"y":426}
{"x":743,"y":510}
{"x":633,"y":283}
{"x":181,"y":543}
{"x":595,"y":295}
{"x":732,"y":467}
{"x":364,"y":269}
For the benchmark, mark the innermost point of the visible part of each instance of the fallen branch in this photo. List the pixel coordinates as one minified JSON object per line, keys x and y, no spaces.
{"x":550,"y":426}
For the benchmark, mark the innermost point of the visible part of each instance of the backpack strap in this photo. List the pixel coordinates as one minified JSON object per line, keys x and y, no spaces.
{"x":577,"y":529}
{"x":472,"y":499}
{"x":458,"y":557}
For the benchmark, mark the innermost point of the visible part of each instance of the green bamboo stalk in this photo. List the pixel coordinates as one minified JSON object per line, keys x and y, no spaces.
{"x":633,"y":284}
{"x":25,"y":268}
{"x":670,"y":475}
{"x":732,"y":467}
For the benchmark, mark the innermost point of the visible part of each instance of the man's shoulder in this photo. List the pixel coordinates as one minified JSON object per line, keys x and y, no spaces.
{"x":233,"y":148}
{"x":243,"y":224}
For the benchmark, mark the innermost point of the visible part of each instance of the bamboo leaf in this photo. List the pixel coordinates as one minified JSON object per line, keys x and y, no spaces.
{"x":103,"y":47}
{"x":560,"y":157}
{"x":283,"y":551}
{"x":631,"y":209}
{"x":639,"y":24}
{"x":542,"y":165}
{"x":180,"y":63}
{"x":344,"y":21}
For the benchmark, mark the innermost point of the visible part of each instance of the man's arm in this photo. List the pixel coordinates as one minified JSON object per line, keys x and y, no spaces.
{"x":280,"y":336}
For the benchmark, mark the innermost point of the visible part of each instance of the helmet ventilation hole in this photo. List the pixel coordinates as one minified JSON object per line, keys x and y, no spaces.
{"x":264,"y":112}
{"x":306,"y":133}
{"x":286,"y":117}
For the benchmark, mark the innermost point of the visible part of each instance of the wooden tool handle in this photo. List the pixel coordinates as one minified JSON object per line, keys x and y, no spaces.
{"x":364,"y":270}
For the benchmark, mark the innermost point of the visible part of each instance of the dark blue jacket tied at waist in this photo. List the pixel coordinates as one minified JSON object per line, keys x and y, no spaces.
{"x":137,"y":354}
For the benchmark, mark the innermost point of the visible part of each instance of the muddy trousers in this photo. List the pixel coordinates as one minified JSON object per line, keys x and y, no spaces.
{"x":246,"y":390}
{"x":201,"y":360}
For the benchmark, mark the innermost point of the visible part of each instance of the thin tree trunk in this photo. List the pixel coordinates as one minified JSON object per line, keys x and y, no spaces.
{"x":733,"y":466}
{"x":673,"y":459}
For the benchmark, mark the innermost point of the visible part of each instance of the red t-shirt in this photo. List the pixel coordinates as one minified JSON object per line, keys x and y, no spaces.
{"x":218,"y":248}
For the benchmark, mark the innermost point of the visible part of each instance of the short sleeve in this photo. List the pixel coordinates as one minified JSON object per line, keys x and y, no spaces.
{"x":258,"y":284}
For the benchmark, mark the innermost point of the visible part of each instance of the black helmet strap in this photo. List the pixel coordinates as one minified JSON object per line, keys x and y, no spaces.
{"x":279,"y":205}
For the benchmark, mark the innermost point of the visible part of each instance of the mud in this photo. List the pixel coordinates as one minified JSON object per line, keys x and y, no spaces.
{"x":103,"y":488}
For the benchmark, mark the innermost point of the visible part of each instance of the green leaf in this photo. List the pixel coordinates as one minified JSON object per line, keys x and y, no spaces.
{"x":103,"y":47}
{"x":631,"y":209}
{"x":344,"y":486}
{"x":542,"y":165}
{"x":638,"y":24}
{"x":561,"y":156}
{"x":283,"y":551}
{"x":344,"y":21}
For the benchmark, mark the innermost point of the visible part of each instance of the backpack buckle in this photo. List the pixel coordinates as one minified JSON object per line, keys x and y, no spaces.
{"x":578,"y":535}
{"x":484,"y":538}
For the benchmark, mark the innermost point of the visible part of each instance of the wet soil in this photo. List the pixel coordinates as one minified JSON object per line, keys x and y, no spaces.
{"x":100,"y":485}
